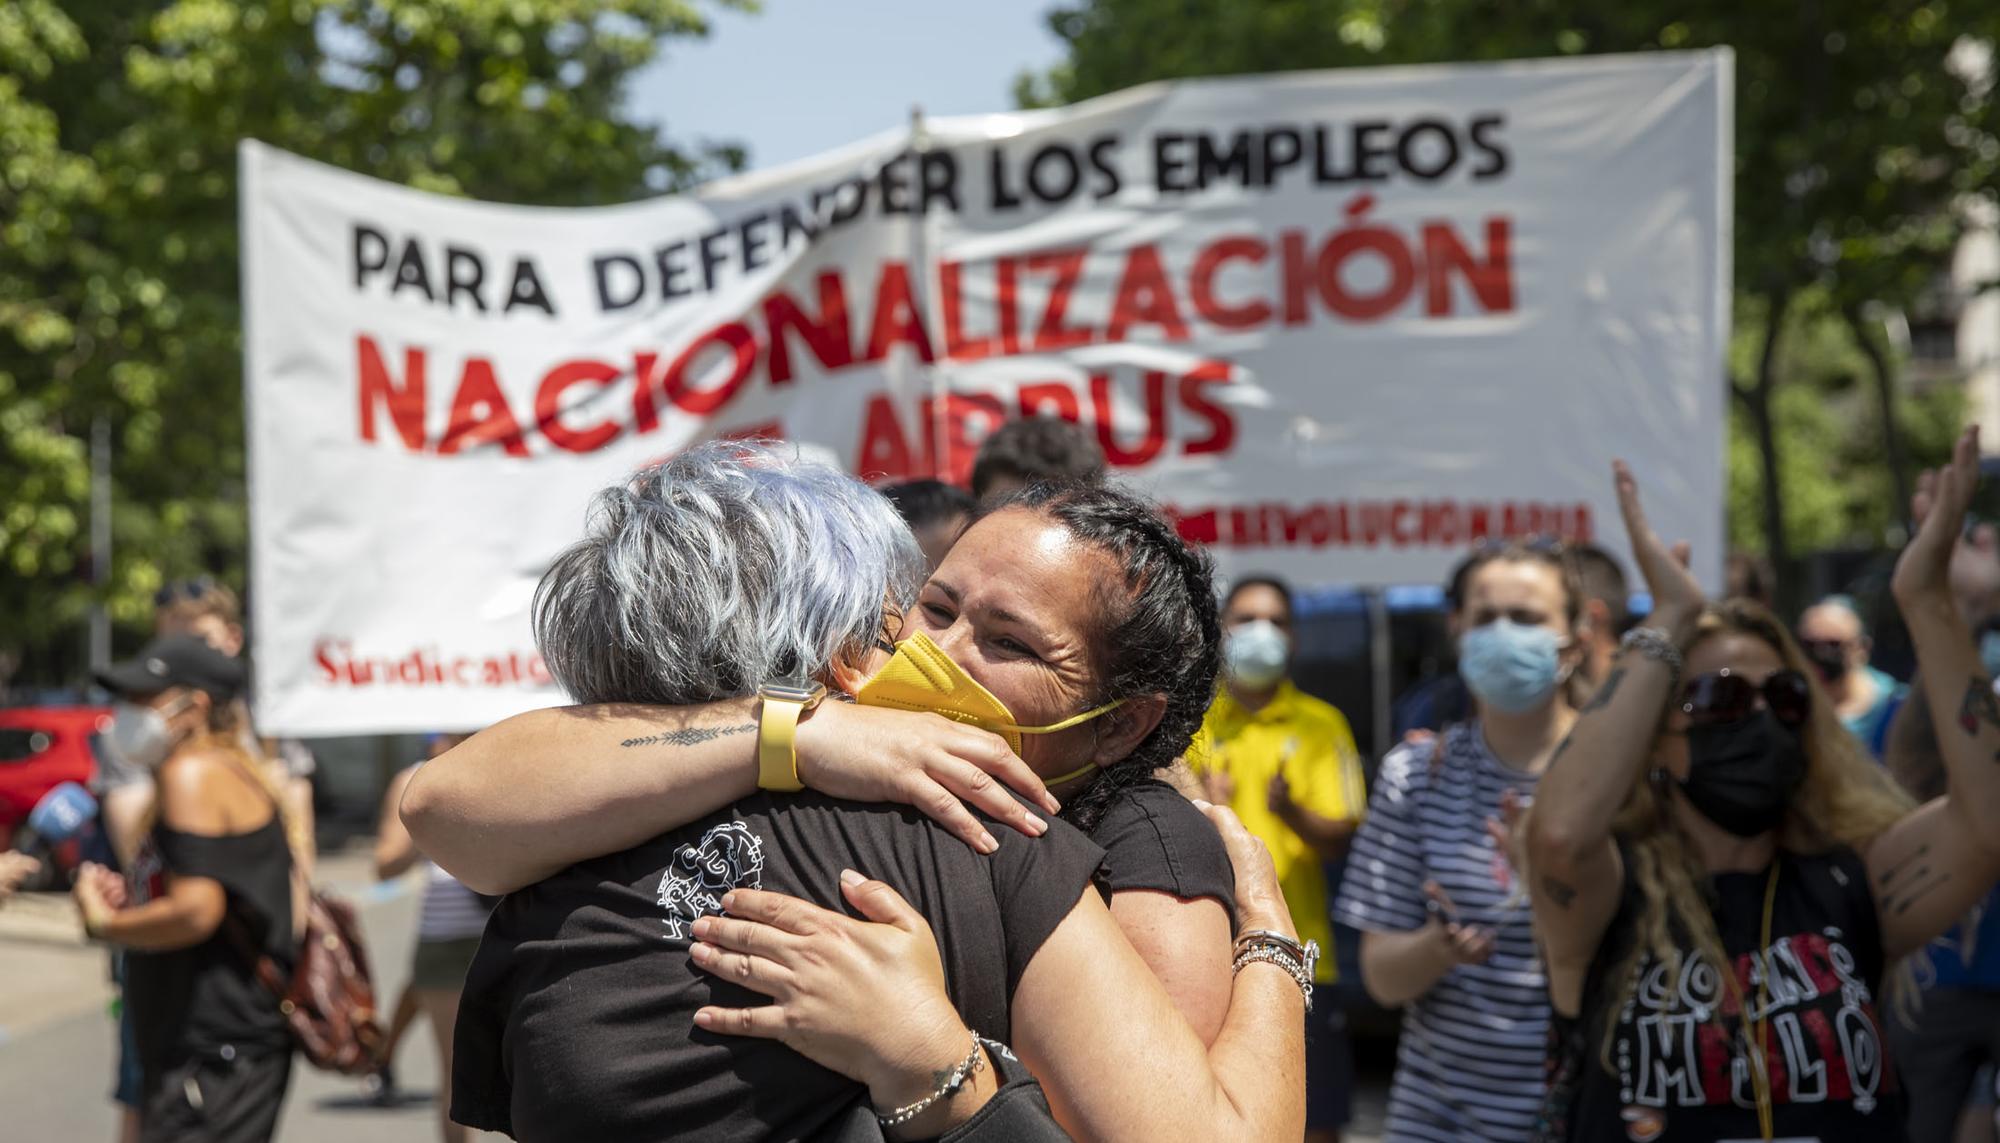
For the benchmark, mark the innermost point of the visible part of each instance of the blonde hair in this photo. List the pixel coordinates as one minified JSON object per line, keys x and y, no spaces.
{"x":1845,"y":800}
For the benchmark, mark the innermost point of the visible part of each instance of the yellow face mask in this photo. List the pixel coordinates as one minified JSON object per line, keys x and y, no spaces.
{"x":920,"y":676}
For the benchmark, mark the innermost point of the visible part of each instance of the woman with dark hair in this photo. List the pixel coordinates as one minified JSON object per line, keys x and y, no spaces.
{"x":1084,"y":635}
{"x":1445,"y":932}
{"x":594,"y":1005}
{"x":1724,"y":881}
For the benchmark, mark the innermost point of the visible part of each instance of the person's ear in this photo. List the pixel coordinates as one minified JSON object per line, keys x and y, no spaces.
{"x":1120,"y":731}
{"x":846,"y":675}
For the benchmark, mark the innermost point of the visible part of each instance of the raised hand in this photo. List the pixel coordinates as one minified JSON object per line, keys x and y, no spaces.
{"x":1677,"y":598}
{"x":1925,"y":573}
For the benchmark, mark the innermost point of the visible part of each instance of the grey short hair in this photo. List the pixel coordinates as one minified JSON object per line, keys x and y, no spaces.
{"x":729,"y":564}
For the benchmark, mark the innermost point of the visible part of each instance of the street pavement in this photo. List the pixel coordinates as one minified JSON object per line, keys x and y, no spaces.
{"x":58,"y":1043}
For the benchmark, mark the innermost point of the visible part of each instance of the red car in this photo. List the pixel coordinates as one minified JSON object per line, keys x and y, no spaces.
{"x":42,"y":747}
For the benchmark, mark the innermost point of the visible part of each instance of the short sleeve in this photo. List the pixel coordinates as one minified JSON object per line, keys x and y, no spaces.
{"x":1383,"y":890}
{"x":1155,"y":839}
{"x":1037,"y":882}
{"x":1334,"y":786}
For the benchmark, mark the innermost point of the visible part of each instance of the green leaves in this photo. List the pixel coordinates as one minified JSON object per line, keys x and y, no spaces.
{"x":119,"y":278}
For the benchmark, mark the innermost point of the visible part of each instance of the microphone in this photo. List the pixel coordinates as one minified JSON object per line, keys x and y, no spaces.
{"x":63,"y":813}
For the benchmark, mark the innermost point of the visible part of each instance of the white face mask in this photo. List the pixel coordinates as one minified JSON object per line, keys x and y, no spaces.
{"x":1255,"y":653}
{"x":140,"y":735}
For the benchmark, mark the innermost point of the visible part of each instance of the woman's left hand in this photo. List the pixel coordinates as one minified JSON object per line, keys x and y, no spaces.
{"x":832,"y":980}
{"x":1923,"y":572}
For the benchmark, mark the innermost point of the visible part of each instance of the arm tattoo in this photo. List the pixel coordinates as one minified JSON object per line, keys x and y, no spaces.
{"x":689,"y":735}
{"x":1909,"y":881}
{"x":1898,"y":904}
{"x":1917,"y":860}
{"x":1979,"y":707}
{"x":1607,"y":691}
{"x":1562,"y":893}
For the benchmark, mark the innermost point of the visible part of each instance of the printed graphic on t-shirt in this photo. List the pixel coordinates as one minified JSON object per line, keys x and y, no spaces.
{"x":1823,"y":1042}
{"x":728,"y":857}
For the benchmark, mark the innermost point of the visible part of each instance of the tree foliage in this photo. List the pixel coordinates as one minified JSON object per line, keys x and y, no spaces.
{"x":1861,"y":127}
{"x":118,"y":244}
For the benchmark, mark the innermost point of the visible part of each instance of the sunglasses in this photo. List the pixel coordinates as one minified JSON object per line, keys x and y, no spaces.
{"x":191,"y":590}
{"x":1712,"y":700}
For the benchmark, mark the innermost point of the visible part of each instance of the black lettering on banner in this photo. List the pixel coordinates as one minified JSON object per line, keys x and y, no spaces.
{"x":609,"y":299}
{"x":371,"y":253}
{"x":1483,"y":129}
{"x":526,"y":290}
{"x":463,"y":273}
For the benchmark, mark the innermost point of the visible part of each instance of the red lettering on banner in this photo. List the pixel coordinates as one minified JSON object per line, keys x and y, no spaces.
{"x":548,"y":406}
{"x":424,"y":667}
{"x":1144,"y":298}
{"x":958,"y":347}
{"x":829,"y":338}
{"x":705,"y":402}
{"x":1362,"y":270}
{"x":1053,"y":333}
{"x":961,"y":446}
{"x":479,"y":413}
{"x":896,"y":319}
{"x":1491,"y":280}
{"x":1049,"y":394}
{"x":1222,"y":426}
{"x":1201,"y":284}
{"x":884,"y":451}
{"x":1006,"y":272}
{"x":404,"y":403}
{"x":1155,"y":437}
{"x":1392,"y":524}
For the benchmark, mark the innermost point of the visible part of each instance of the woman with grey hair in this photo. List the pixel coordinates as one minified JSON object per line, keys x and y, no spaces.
{"x":740,"y":563}
{"x":1076,"y":610}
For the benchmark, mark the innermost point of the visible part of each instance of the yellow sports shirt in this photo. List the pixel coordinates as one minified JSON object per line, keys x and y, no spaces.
{"x":1310,"y":743}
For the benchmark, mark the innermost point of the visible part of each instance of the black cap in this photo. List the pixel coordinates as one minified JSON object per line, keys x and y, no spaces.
{"x":176,"y":661}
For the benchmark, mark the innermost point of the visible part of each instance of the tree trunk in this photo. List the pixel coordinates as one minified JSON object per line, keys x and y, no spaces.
{"x":1756,"y":401}
{"x":1885,"y":411}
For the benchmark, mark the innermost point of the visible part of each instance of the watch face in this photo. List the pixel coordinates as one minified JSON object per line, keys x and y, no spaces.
{"x":792,"y":689}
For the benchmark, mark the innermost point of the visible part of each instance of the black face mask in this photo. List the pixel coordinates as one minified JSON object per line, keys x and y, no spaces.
{"x":1742,"y":774}
{"x":1831,"y":659}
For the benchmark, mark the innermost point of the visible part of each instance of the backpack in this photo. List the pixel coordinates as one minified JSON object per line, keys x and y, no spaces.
{"x":328,"y":999}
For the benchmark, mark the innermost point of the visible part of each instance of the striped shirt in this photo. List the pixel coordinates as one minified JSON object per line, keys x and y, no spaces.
{"x":1470,"y":1066}
{"x":450,"y":912}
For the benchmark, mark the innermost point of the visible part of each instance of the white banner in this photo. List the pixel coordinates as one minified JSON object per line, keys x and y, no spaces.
{"x":1345,"y":324}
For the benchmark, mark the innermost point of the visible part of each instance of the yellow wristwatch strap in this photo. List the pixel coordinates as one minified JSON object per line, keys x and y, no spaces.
{"x":777,"y":752}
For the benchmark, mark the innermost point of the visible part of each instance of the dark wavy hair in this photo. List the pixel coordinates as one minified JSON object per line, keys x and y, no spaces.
{"x":1158,"y":631}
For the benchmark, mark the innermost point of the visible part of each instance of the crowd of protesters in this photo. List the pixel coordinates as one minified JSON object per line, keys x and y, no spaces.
{"x":1691,"y":875}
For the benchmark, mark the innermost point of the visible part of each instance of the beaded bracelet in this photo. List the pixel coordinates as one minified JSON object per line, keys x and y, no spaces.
{"x":1655,"y":644}
{"x":970,"y":1064}
{"x":1267,"y":951}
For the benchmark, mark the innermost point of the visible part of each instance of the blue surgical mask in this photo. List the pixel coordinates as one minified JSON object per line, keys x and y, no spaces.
{"x":1255,"y":654}
{"x":1509,"y":666}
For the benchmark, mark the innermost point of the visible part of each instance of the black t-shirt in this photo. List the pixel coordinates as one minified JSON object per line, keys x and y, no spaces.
{"x":577,"y":1020}
{"x":1681,"y":1073}
{"x":1154,"y":838}
{"x":205,"y":1001}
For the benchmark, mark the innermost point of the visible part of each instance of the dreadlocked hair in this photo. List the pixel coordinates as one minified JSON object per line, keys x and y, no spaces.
{"x":1845,"y":801}
{"x":1159,"y":629}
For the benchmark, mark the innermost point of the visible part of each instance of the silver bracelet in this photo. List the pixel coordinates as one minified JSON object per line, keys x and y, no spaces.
{"x":1655,"y":644}
{"x":1267,"y":951}
{"x":966,"y":1067}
